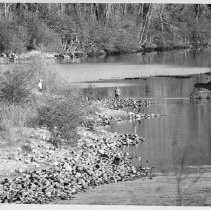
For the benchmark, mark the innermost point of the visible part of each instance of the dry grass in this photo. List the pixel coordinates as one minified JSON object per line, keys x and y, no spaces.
{"x":59,"y":105}
{"x":13,"y":119}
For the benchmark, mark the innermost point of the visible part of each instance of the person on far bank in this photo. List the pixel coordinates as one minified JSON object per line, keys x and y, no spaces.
{"x":117,"y":93}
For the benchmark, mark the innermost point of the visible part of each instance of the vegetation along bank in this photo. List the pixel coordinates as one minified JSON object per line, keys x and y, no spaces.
{"x":72,"y":30}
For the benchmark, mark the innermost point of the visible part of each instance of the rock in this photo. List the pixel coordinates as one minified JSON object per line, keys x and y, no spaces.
{"x":56,"y":163}
{"x":95,"y":161}
{"x":68,"y":167}
{"x":133,"y":169}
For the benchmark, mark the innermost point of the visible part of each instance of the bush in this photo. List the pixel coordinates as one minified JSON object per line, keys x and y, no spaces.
{"x":59,"y":106}
{"x":62,"y":113}
{"x":18,"y":100}
{"x":13,"y":87}
{"x":92,"y":93}
{"x":13,"y":38}
{"x":18,"y":85}
{"x":26,"y":148}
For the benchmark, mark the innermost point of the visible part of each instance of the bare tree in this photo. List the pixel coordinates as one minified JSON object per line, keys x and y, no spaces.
{"x":147,"y":18}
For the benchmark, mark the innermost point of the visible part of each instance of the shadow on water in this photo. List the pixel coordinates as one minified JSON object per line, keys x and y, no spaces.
{"x":203,"y":85}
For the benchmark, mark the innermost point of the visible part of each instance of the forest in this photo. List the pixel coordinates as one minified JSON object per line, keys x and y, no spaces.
{"x":103,"y":28}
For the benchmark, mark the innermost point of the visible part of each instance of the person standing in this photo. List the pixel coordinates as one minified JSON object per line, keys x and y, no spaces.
{"x":117,"y":93}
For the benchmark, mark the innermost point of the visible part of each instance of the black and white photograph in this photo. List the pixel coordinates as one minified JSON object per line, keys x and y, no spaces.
{"x":105,"y":103}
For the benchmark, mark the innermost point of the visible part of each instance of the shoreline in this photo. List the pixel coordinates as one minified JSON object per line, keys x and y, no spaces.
{"x":186,"y":76}
{"x":90,"y":72}
{"x":102,"y":52}
{"x":148,"y":192}
{"x":95,"y":161}
{"x":155,"y":191}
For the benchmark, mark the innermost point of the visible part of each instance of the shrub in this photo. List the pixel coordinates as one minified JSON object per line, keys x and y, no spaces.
{"x":18,"y":85}
{"x":26,"y":148}
{"x":92,"y":93}
{"x":60,"y":105}
{"x":62,"y":113}
{"x":18,"y":100}
{"x":13,"y":87}
{"x":13,"y":38}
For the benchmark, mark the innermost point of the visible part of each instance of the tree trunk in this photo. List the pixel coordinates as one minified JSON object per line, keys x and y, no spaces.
{"x":145,"y":24}
{"x":62,"y":7}
{"x":95,"y":11}
{"x":6,"y":10}
{"x":108,"y":11}
{"x":139,"y":14}
{"x":123,"y":10}
{"x":161,"y":17}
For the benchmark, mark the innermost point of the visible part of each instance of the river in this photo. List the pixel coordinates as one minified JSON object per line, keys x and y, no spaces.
{"x":184,"y":128}
{"x":182,"y":136}
{"x":179,"y":140}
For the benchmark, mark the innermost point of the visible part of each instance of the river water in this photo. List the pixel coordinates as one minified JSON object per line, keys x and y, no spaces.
{"x":179,"y":140}
{"x":184,"y":133}
{"x":185,"y":128}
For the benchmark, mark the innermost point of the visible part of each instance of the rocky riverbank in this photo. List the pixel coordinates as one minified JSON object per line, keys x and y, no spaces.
{"x":95,"y":161}
{"x":47,"y":173}
{"x":111,"y":110}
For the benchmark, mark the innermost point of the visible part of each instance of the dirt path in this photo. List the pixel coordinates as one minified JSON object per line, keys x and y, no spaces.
{"x":161,"y":190}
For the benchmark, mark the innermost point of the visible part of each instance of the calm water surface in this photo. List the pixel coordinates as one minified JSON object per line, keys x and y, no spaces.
{"x":138,"y":65}
{"x":186,"y":128}
{"x":184,"y":131}
{"x":194,"y":58}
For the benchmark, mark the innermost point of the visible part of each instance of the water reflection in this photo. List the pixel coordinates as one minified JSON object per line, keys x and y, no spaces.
{"x":186,"y":125}
{"x":158,"y":87}
{"x":203,"y":85}
{"x":188,"y":57}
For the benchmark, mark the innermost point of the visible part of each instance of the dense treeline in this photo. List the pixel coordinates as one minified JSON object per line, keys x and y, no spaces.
{"x":102,"y":28}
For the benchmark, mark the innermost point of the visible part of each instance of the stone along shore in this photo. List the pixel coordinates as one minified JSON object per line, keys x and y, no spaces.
{"x":96,"y":160}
